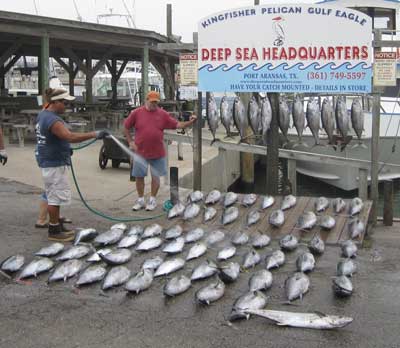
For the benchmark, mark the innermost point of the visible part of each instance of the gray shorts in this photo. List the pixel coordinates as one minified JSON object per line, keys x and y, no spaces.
{"x":56,"y":185}
{"x":158,"y":166}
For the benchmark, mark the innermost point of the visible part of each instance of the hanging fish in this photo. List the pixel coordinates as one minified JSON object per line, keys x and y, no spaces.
{"x":240,"y":118}
{"x":226,"y":115}
{"x":266,"y":117}
{"x":313,"y":116}
{"x":284,"y":117}
{"x":357,"y":120}
{"x":298,"y":117}
{"x":342,"y":117}
{"x":254,"y":113}
{"x":212,"y":117}
{"x":328,"y":119}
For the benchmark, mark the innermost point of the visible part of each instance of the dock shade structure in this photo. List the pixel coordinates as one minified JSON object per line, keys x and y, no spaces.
{"x":76,"y":45}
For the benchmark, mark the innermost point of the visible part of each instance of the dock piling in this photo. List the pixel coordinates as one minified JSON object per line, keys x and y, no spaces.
{"x":388,"y":202}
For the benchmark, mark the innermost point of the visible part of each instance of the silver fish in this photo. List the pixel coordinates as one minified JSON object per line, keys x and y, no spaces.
{"x":226,"y":115}
{"x":349,"y":249}
{"x":153,"y":262}
{"x":289,"y":242}
{"x":342,"y":117}
{"x":95,"y":257}
{"x":316,"y":245}
{"x":91,"y":275}
{"x":229,"y":272}
{"x":204,"y":270}
{"x":109,"y":237}
{"x":177,"y":285}
{"x":267,"y":201}
{"x":296,"y":286}
{"x":230,"y":215}
{"x":128,"y":241}
{"x":75,"y":252}
{"x":226,"y":253}
{"x":13,"y":263}
{"x":298,"y":116}
{"x":260,"y":280}
{"x":215,"y":237}
{"x":346,"y":267}
{"x":176,"y":210}
{"x":169,"y":266}
{"x":338,"y":205}
{"x":357,"y":118}
{"x":174,"y":232}
{"x":277,"y":218}
{"x":230,"y":198}
{"x":275,"y":260}
{"x":120,"y":226}
{"x":303,"y":320}
{"x":305,"y":262}
{"x":211,"y":292}
{"x":213,"y":197}
{"x":212,"y":116}
{"x":66,"y":270}
{"x":195,"y":196}
{"x":149,"y":244}
{"x":260,"y":240}
{"x":250,"y":300}
{"x":288,"y":202}
{"x":251,"y":259}
{"x":266,"y":118}
{"x":327,"y":222}
{"x":174,"y":247}
{"x":116,"y":276}
{"x":152,"y":230}
{"x":50,"y":250}
{"x":306,"y":221}
{"x":209,"y":213}
{"x":240,"y":238}
{"x":141,"y":281}
{"x":321,"y":204}
{"x":191,"y":211}
{"x":284,"y":116}
{"x":342,"y":286}
{"x":194,"y":235}
{"x":117,"y":257}
{"x":85,"y":235}
{"x":136,"y":230}
{"x":249,"y":199}
{"x":252,"y":217}
{"x":254,"y":115}
{"x":328,"y":119}
{"x":196,"y":251}
{"x":356,"y":228}
{"x":239,"y":117}
{"x":37,"y":266}
{"x":313,"y":115}
{"x":356,"y":206}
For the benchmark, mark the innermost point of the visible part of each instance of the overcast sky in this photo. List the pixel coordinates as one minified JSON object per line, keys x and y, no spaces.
{"x":147,"y":14}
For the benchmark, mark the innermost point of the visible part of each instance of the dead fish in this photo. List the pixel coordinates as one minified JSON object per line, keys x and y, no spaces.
{"x":327,"y":222}
{"x":149,"y":244}
{"x":195,"y":196}
{"x":116,"y":276}
{"x":288,"y":202}
{"x":356,"y":228}
{"x":141,"y":281}
{"x":305,"y":262}
{"x":296,"y":286}
{"x":313,"y":115}
{"x":35,"y":267}
{"x":260,"y":240}
{"x":196,"y":251}
{"x":328,"y":119}
{"x":346,"y":267}
{"x":299,"y":118}
{"x":91,"y":275}
{"x":211,"y":292}
{"x":120,"y":226}
{"x":252,"y":217}
{"x":342,"y":286}
{"x":275,"y":260}
{"x":66,"y":270}
{"x":109,"y":237}
{"x":174,"y":232}
{"x":194,"y":235}
{"x":254,"y":115}
{"x":169,"y":266}
{"x":239,"y":117}
{"x":250,"y":300}
{"x":288,"y":242}
{"x":267,"y":201}
{"x":85,"y":235}
{"x":95,"y":257}
{"x":177,"y":285}
{"x":136,"y":230}
{"x":50,"y":250}
{"x":249,"y":199}
{"x":266,"y":118}
{"x":338,"y":205}
{"x":307,"y":220}
{"x":357,"y":118}
{"x":212,"y":116}
{"x":277,"y":218}
{"x":209,"y":213}
{"x":230,"y":198}
{"x":153,"y":262}
{"x":230,"y":215}
{"x":215,"y":237}
{"x":240,"y":238}
{"x":12,"y":264}
{"x":75,"y":252}
{"x":226,"y":253}
{"x":152,"y":230}
{"x":284,"y":116}
{"x":213,"y":197}
{"x":349,"y":249}
{"x":229,"y":272}
{"x":117,"y":257}
{"x":226,"y":115}
{"x":176,"y":210}
{"x":342,"y":117}
{"x":128,"y":241}
{"x":321,"y":204}
{"x":260,"y":280}
{"x":174,"y":247}
{"x":356,"y":206}
{"x":251,"y":259}
{"x":316,"y":245}
{"x":191,"y":211}
{"x":204,"y":270}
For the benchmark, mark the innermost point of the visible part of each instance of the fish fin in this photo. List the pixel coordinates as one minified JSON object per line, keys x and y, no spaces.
{"x":281,"y":323}
{"x":320,"y":314}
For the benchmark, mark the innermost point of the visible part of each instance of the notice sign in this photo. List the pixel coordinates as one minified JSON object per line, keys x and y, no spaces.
{"x":385,"y":69}
{"x":188,"y":69}
{"x":286,"y":48}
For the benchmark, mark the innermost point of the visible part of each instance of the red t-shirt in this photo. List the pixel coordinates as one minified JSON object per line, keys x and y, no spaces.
{"x":149,"y":130}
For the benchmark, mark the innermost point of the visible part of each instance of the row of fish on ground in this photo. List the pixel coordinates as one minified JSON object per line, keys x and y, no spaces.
{"x":259,"y":115}
{"x":148,"y":238}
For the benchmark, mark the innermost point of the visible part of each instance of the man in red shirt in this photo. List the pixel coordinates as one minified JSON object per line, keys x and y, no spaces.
{"x":149,"y":122}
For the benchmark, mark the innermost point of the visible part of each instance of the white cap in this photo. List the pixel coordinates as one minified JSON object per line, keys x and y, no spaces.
{"x":62,"y":96}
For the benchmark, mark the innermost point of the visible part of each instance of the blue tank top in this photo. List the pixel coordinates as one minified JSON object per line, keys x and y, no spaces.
{"x":51,"y":151}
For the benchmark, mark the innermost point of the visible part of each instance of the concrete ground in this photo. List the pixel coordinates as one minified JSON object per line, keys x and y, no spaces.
{"x":34,"y":314}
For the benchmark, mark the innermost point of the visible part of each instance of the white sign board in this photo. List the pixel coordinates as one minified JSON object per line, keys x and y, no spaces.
{"x":385,"y":69}
{"x":188,"y":93}
{"x":286,"y":48}
{"x":188,"y":69}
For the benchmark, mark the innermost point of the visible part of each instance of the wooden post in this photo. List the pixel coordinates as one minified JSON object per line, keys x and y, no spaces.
{"x":145,"y":72}
{"x":224,"y":173}
{"x":273,"y":147}
{"x":197,"y":145}
{"x":363,"y":184}
{"x":388,"y":203}
{"x":174,"y":186}
{"x":44,"y":64}
{"x":169,"y":21}
{"x":180,"y":151}
{"x":292,"y":175}
{"x":247,"y":159}
{"x":89,"y":81}
{"x":166,"y":178}
{"x":375,"y":155}
{"x":71,"y":77}
{"x":114,"y":81}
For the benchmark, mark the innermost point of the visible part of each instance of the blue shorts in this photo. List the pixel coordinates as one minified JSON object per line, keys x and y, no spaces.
{"x":158,"y":166}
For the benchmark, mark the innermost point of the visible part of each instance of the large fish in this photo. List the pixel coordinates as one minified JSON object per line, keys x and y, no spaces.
{"x":338,"y":205}
{"x":229,"y":215}
{"x":356,"y":206}
{"x":152,"y":230}
{"x":230,"y":198}
{"x":212,"y":116}
{"x":196,"y":251}
{"x":215,"y":237}
{"x":253,"y":112}
{"x":251,"y":259}
{"x":75,"y":252}
{"x":289,"y":242}
{"x":91,"y":275}
{"x":356,"y":228}
{"x":240,"y":238}
{"x":226,"y":115}
{"x":50,"y":250}
{"x":266,"y":118}
{"x":176,"y":210}
{"x":328,"y":119}
{"x":116,"y":276}
{"x":85,"y":235}
{"x":305,"y":262}
{"x":213,"y":197}
{"x":177,"y":285}
{"x":277,"y":218}
{"x":226,"y":253}
{"x":209,"y":213}
{"x":13,"y":263}
{"x":230,"y":272}
{"x":37,"y":266}
{"x":296,"y":286}
{"x":306,"y":221}
{"x":342,"y":117}
{"x":316,"y":245}
{"x":117,"y":257}
{"x":169,"y":266}
{"x":284,"y":117}
{"x":175,"y":246}
{"x":205,"y":270}
{"x":66,"y":270}
{"x":349,"y":249}
{"x":195,"y":196}
{"x":260,"y":280}
{"x":357,"y":118}
{"x":149,"y":244}
{"x":210,"y":293}
{"x":109,"y":237}
{"x":153,"y":262}
{"x":342,"y":286}
{"x":240,"y":117}
{"x":141,"y":281}
{"x":174,"y":232}
{"x":298,"y":116}
{"x":194,"y":235}
{"x":191,"y":211}
{"x":327,"y":222}
{"x":288,"y":202}
{"x":346,"y":267}
{"x":260,"y":240}
{"x":128,"y":241}
{"x":275,"y":260}
{"x":267,"y":201}
{"x":250,"y":300}
{"x":321,"y":204}
{"x":313,"y":116}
